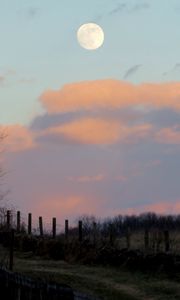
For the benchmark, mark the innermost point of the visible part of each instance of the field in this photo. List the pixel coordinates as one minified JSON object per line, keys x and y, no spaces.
{"x":103,"y":282}
{"x":104,"y":265}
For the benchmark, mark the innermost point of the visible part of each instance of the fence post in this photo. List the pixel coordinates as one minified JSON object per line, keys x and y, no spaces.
{"x":158,"y":242}
{"x":66,"y":229}
{"x":54,"y":227}
{"x":166,"y":240}
{"x":146,"y":239}
{"x":154,"y":237}
{"x":128,"y":238}
{"x":80,"y":231}
{"x":29,"y":223}
{"x":8,"y":219}
{"x":41,"y":226}
{"x":18,"y":221}
{"x":11,"y":254}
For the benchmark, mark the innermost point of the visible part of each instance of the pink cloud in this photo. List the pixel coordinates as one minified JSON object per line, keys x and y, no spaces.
{"x":169,"y":135}
{"x":86,"y":179}
{"x":163,"y":207}
{"x":18,"y":138}
{"x":121,"y":178}
{"x":91,"y":95}
{"x":66,"y":206}
{"x":99,"y":131}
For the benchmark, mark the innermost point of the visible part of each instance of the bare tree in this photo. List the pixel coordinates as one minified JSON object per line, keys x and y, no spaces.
{"x":2,"y":174}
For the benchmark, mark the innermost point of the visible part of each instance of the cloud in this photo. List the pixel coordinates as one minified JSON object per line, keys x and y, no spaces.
{"x":67,"y":206}
{"x":140,"y":6}
{"x":131,"y":71}
{"x":121,"y":178}
{"x":95,"y":131}
{"x":18,"y":138}
{"x":124,"y":6}
{"x":176,"y":67}
{"x":169,"y":135}
{"x":32,"y":12}
{"x":87,"y":178}
{"x":89,"y":131}
{"x":120,"y":7}
{"x":111,"y":94}
{"x":163,"y":207}
{"x":153,"y":163}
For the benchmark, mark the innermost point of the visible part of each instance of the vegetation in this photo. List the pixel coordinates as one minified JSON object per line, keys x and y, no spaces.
{"x":109,"y":283}
{"x":105,"y":263}
{"x":2,"y":174}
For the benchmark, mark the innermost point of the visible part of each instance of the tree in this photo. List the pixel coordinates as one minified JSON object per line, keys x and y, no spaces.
{"x":2,"y":136}
{"x":2,"y":174}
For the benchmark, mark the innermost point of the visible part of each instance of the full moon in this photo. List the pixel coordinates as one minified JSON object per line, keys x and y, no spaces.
{"x":90,"y":36}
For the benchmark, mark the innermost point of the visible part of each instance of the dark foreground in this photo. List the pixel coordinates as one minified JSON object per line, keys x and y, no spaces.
{"x":103,"y":282}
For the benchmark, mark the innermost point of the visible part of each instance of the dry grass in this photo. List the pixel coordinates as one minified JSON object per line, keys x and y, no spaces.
{"x":107,"y":283}
{"x":104,"y":282}
{"x":156,"y":241}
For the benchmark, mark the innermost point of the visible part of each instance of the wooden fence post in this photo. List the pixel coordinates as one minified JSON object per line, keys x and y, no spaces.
{"x":154,"y":237}
{"x":128,"y":238}
{"x":8,"y":221}
{"x":11,"y":254}
{"x":80,"y":231}
{"x":166,"y":240}
{"x":66,"y":229}
{"x":29,"y":223}
{"x":158,"y":242}
{"x":146,"y":239}
{"x":54,"y":227}
{"x":41,"y":226}
{"x":18,"y":221}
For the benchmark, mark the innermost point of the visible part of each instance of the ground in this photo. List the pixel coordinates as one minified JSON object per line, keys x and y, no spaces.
{"x":103,"y":282}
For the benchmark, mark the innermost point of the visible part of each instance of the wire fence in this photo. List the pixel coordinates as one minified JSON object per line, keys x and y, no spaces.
{"x":16,"y":286}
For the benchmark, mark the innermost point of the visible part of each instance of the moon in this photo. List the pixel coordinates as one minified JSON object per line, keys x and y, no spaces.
{"x":90,"y":36}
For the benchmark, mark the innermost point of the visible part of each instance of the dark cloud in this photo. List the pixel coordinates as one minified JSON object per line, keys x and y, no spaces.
{"x":131,"y":71}
{"x":140,"y":6}
{"x":126,"y":115}
{"x":161,"y":118}
{"x":32,"y":12}
{"x":120,"y":7}
{"x":174,"y":69}
{"x":49,"y":120}
{"x":177,"y":67}
{"x":124,"y":6}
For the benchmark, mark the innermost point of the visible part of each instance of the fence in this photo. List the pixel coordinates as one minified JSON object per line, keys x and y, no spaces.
{"x":18,"y":287}
{"x":158,"y":236}
{"x":15,"y":286}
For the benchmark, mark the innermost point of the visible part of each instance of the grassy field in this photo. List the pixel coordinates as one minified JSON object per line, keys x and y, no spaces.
{"x":108,"y":283}
{"x":103,"y":282}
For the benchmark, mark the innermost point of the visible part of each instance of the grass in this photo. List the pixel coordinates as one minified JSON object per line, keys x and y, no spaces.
{"x":107,"y":283}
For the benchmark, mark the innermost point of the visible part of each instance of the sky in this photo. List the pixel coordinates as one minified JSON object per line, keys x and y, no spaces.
{"x":91,"y":132}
